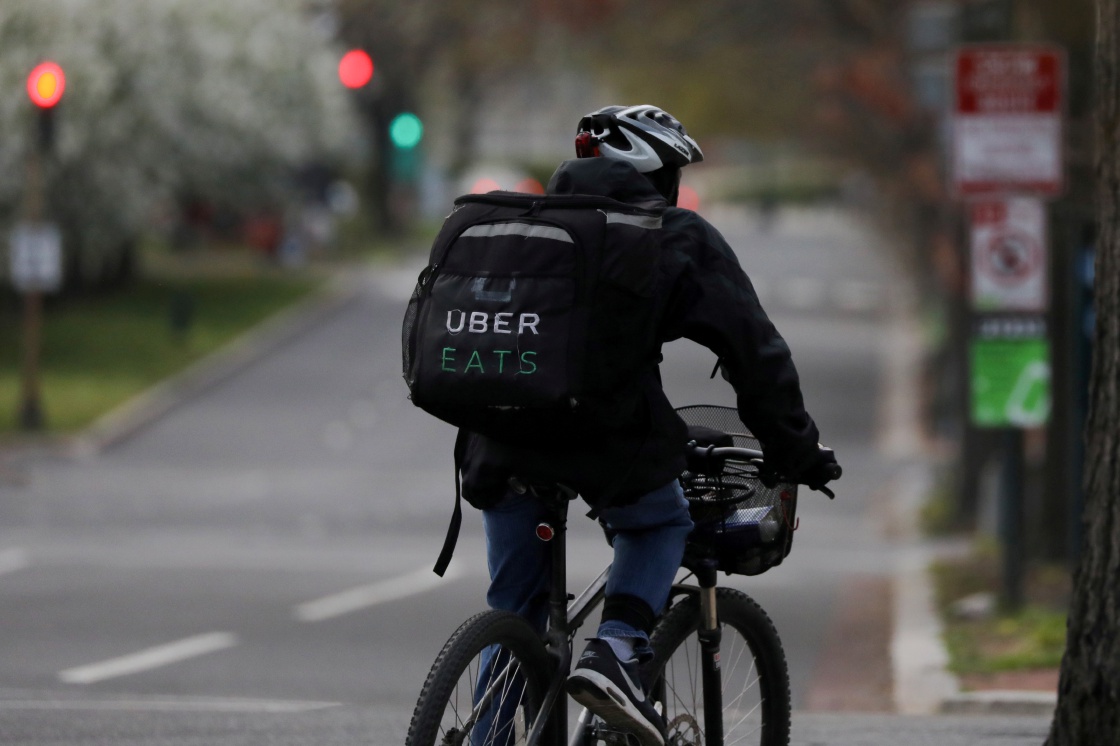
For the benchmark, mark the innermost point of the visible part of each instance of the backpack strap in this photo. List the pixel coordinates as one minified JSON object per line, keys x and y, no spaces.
{"x":452,"y":537}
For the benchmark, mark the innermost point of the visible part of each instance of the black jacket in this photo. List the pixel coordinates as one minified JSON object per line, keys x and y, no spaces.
{"x":702,"y":295}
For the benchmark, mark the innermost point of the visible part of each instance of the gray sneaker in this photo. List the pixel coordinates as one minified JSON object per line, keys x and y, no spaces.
{"x":612,"y":690}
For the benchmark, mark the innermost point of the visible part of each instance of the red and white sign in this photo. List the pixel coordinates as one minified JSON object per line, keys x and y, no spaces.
{"x":1007,"y":119}
{"x":1008,"y":241}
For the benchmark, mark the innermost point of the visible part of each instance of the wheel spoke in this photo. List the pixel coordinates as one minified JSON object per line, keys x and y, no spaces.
{"x":755,"y":682}
{"x":485,"y":686}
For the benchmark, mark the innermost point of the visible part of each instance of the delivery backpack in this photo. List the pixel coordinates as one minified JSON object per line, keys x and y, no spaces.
{"x":534,"y":315}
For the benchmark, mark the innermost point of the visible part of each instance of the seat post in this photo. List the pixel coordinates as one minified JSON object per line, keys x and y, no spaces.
{"x":557,"y":520}
{"x":557,"y":642}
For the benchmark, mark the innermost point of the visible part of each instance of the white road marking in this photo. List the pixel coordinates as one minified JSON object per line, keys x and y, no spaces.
{"x":397,"y":283}
{"x":167,"y":704}
{"x":145,"y":660}
{"x":899,"y":431}
{"x":12,"y":560}
{"x":803,"y":293}
{"x":812,"y":293}
{"x":363,"y":597}
{"x":856,"y":295}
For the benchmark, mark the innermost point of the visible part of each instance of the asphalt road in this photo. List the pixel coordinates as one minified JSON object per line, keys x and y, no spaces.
{"x":254,"y":566}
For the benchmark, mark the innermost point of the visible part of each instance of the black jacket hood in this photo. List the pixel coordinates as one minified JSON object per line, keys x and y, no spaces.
{"x":605,"y":177}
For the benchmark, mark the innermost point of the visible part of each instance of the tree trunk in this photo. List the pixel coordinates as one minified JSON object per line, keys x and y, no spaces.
{"x":1089,"y":689}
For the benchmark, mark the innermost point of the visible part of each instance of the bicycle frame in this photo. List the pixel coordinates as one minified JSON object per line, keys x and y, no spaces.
{"x":565,"y":618}
{"x":698,"y":614}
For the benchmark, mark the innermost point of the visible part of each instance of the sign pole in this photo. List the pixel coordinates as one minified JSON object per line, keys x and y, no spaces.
{"x":1011,"y":519}
{"x":1006,"y":159}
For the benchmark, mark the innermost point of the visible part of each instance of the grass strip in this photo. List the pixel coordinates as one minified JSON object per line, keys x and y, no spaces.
{"x":1000,"y":640}
{"x":100,"y":350}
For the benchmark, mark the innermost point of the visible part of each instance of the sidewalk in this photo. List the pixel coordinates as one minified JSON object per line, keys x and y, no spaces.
{"x":867,"y":729}
{"x":922,"y":683}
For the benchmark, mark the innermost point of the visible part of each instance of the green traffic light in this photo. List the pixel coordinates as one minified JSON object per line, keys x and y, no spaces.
{"x":406,"y":130}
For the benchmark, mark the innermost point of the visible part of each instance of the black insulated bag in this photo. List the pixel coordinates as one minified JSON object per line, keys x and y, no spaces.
{"x":534,"y":315}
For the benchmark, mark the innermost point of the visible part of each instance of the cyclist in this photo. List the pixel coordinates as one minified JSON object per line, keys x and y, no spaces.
{"x":635,"y":154}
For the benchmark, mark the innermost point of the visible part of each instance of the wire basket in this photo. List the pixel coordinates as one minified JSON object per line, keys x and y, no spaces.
{"x":745,"y":525}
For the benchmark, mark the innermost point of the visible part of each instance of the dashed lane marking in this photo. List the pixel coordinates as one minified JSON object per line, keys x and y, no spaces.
{"x":145,"y":660}
{"x":819,"y":294}
{"x":168,"y":704}
{"x":363,"y":597}
{"x":13,"y":560}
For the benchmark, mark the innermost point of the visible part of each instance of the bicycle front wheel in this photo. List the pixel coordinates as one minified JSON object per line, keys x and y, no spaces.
{"x":756,"y":698}
{"x":485,"y":687}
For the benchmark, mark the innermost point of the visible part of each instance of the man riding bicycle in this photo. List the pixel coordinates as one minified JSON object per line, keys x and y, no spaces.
{"x":635,"y":155}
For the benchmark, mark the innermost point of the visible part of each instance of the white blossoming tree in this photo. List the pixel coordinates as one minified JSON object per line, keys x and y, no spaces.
{"x":214,"y":99}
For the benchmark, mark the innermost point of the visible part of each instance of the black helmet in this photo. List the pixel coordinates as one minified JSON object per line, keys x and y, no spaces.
{"x":646,"y":136}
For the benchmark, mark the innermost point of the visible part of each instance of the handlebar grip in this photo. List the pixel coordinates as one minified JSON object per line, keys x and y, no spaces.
{"x":834,"y":471}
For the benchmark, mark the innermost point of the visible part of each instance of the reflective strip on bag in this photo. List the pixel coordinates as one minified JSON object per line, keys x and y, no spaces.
{"x":528,"y":230}
{"x":649,"y":222}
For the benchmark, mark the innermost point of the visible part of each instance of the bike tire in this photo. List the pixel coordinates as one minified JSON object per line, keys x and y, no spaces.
{"x":447,"y":698}
{"x":756,"y":696}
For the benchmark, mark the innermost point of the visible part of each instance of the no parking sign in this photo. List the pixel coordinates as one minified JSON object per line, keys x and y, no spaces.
{"x":1009,"y":257}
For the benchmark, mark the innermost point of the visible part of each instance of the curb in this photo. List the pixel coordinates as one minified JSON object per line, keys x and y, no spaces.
{"x":1001,"y":702}
{"x":923,"y":684}
{"x":120,"y":423}
{"x":922,"y":681}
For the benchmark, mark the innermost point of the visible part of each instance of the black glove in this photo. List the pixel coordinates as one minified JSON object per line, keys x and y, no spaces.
{"x":821,"y":471}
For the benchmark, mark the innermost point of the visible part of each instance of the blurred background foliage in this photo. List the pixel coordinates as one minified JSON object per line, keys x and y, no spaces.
{"x":207,"y":119}
{"x":223,"y":125}
{"x":168,"y":106}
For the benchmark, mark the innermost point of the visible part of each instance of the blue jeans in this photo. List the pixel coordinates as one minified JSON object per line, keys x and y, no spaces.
{"x":648,"y":537}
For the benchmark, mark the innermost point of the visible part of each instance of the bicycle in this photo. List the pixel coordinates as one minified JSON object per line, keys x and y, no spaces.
{"x":718,"y":670}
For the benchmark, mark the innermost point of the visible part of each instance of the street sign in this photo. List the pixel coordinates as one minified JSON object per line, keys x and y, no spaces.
{"x":36,"y":257}
{"x":1009,"y":256}
{"x":1010,"y":372}
{"x":1007,"y":119}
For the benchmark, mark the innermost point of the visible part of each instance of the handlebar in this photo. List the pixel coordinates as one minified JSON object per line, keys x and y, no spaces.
{"x":726,"y":452}
{"x":755,"y":456}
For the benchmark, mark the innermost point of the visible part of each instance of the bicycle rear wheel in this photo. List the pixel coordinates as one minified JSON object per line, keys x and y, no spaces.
{"x":756,"y":698}
{"x":486,"y":685}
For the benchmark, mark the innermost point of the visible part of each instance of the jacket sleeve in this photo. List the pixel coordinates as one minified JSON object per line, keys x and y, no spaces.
{"x":712,"y":302}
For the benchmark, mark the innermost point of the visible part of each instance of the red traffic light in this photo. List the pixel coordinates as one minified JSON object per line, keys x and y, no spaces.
{"x":45,"y":84}
{"x":355,"y":69}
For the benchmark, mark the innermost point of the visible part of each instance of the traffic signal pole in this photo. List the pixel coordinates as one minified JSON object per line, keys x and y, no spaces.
{"x":45,"y":85}
{"x":31,"y":408}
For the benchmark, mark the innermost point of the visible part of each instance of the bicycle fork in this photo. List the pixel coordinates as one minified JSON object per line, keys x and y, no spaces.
{"x":709,"y":635}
